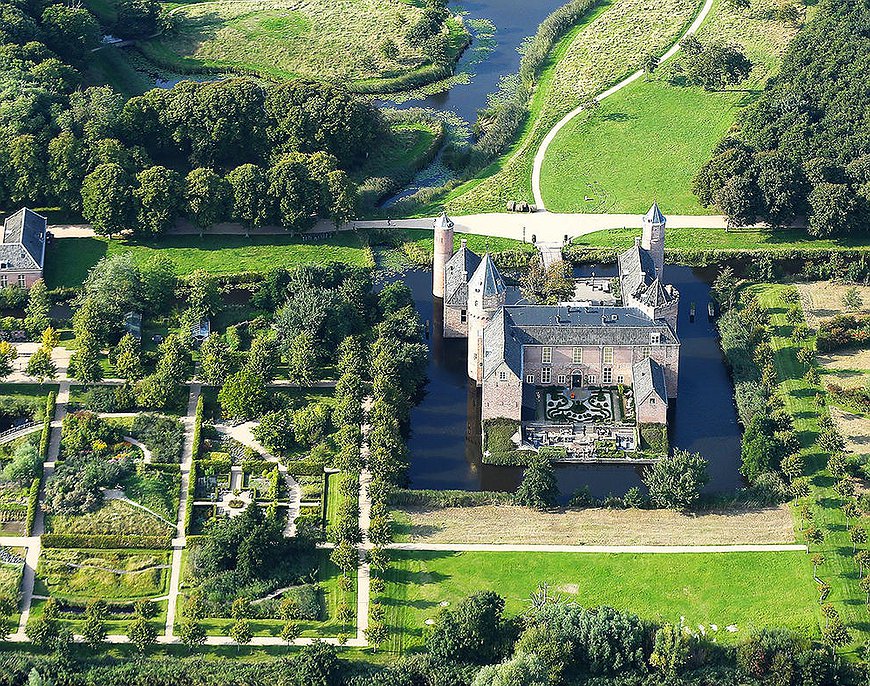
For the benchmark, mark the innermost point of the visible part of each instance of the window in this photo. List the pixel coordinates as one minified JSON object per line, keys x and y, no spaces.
{"x":530,"y":378}
{"x":655,"y":338}
{"x":608,"y":356}
{"x":562,"y":379}
{"x":645,"y":352}
{"x":620,"y":379}
{"x":546,"y":375}
{"x":577,"y":355}
{"x":463,"y":316}
{"x":4,"y":281}
{"x":546,"y":355}
{"x":502,"y":376}
{"x":590,"y":380}
{"x":22,"y":281}
{"x":652,"y":401}
{"x":607,"y":375}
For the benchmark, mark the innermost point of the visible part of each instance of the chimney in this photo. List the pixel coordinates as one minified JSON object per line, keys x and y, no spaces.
{"x":462,"y":243}
{"x":637,"y":241}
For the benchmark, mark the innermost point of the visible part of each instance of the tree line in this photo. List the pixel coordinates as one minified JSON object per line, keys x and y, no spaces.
{"x":802,"y":149}
{"x":235,"y":149}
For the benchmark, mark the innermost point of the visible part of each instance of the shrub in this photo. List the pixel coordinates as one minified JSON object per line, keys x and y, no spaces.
{"x":675,"y":481}
{"x":163,"y":436}
{"x":402,"y":497}
{"x":654,"y":437}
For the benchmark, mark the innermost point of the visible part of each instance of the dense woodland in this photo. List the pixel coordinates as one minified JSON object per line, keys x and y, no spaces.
{"x":234,"y":149}
{"x":804,"y":148}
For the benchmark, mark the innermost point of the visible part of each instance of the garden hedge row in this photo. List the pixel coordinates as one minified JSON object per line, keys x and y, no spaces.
{"x":46,"y":424}
{"x":32,"y":504}
{"x":106,"y":542}
{"x":191,"y":495}
{"x":406,"y":497}
{"x":197,"y":428}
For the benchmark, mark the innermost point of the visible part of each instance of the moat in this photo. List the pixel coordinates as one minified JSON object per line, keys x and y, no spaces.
{"x":444,"y":442}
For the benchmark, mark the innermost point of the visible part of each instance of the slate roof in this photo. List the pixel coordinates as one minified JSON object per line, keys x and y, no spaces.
{"x":23,"y":245}
{"x":555,"y":325}
{"x":487,"y":279}
{"x":636,"y":269}
{"x":457,"y":271}
{"x":648,"y":377}
{"x":655,"y":215}
{"x":444,"y":222}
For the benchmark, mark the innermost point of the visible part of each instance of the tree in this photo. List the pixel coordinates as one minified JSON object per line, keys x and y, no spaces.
{"x":40,"y":365}
{"x":175,"y":363}
{"x":275,"y":432}
{"x":66,"y":170}
{"x":36,"y":314}
{"x":251,"y":203}
{"x":858,"y":536}
{"x":94,"y":631}
{"x":649,"y":63}
{"x":216,"y":359}
{"x":289,"y":632}
{"x":345,"y":556}
{"x":724,"y":288}
{"x":715,"y":66}
{"x":241,"y":632}
{"x":136,"y":18}
{"x":818,"y":560}
{"x":852,"y":299}
{"x":294,"y":192}
{"x":675,"y":481}
{"x":42,"y":631}
{"x":475,"y":632}
{"x":127,"y":357}
{"x":192,"y":633}
{"x":832,"y":209}
{"x":8,"y":354}
{"x":317,"y":664}
{"x":86,"y":361}
{"x":160,"y":199}
{"x":263,"y":358}
{"x":538,"y":488}
{"x":142,"y":634}
{"x":814,"y":535}
{"x":207,"y":198}
{"x":242,"y":396}
{"x":107,"y":199}
{"x":71,"y":32}
{"x":302,"y":359}
{"x":341,"y":197}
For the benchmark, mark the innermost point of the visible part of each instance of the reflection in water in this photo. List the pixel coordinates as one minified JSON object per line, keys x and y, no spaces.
{"x":445,"y":426}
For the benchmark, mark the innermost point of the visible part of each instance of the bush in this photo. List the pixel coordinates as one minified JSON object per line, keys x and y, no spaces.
{"x":302,"y":602}
{"x":675,"y":481}
{"x":163,"y":436}
{"x":402,"y":497}
{"x":654,"y":438}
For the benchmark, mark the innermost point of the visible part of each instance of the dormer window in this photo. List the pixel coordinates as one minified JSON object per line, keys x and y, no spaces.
{"x":546,"y":355}
{"x":502,"y":376}
{"x":655,"y":338}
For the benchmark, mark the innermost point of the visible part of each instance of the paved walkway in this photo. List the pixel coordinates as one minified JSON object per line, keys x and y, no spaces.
{"x":646,"y":549}
{"x":364,"y":572}
{"x":551,"y":134}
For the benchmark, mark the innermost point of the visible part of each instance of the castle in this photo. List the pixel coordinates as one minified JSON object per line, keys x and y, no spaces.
{"x":608,"y":359}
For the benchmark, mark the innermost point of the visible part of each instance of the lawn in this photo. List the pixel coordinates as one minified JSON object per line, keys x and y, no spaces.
{"x":605,"y":49}
{"x":107,"y":574}
{"x":650,"y":139}
{"x":742,"y":590}
{"x":156,"y":489}
{"x":720,"y":239}
{"x":70,"y":259}
{"x":114,"y":517}
{"x":323,"y":39}
{"x":10,"y":577}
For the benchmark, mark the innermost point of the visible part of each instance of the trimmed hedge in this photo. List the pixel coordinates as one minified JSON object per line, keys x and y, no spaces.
{"x":654,"y":437}
{"x":106,"y":542}
{"x":46,"y":424}
{"x":191,"y":496}
{"x":406,"y":497}
{"x":197,"y":428}
{"x":32,"y":504}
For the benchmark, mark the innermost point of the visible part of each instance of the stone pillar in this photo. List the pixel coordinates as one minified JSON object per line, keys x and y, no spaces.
{"x":442,"y":253}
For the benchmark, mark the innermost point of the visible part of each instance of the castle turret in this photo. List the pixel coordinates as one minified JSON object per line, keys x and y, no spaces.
{"x":653,"y":239}
{"x":486,"y":297}
{"x":442,"y":253}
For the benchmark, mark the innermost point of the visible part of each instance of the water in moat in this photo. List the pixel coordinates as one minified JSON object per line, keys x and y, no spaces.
{"x":445,"y":437}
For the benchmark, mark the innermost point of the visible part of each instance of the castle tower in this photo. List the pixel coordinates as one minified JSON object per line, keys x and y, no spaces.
{"x":653,"y":240}
{"x":486,"y":297}
{"x":443,"y":252}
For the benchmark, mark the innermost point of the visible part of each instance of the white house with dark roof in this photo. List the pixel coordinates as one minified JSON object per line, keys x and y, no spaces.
{"x":626,"y":350}
{"x":22,"y":252}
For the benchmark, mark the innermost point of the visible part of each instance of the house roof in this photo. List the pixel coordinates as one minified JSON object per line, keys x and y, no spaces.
{"x":648,"y":377}
{"x":23,"y":244}
{"x":444,"y":222}
{"x":456,"y":272}
{"x":655,"y":215}
{"x":636,"y":269}
{"x":487,"y":279}
{"x":498,"y":347}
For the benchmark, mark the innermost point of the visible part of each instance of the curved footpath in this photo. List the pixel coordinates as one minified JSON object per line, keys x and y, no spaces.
{"x":551,"y":134}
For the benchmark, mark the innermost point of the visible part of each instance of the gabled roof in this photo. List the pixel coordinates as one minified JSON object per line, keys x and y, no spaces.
{"x":655,"y":294}
{"x":487,"y":279}
{"x":456,"y":273}
{"x":655,"y":215}
{"x":23,"y":244}
{"x":648,"y":378}
{"x":637,"y":270}
{"x":499,"y":345}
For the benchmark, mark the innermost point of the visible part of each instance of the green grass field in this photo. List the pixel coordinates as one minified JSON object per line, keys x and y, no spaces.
{"x":720,"y":239}
{"x":742,"y":590}
{"x":650,"y":139}
{"x":284,"y":39}
{"x":70,"y":259}
{"x":114,"y":517}
{"x":10,"y":579}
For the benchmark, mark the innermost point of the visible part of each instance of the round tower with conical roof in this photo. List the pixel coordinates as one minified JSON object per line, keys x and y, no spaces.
{"x":442,"y":253}
{"x":653,"y":237}
{"x":486,"y":298}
